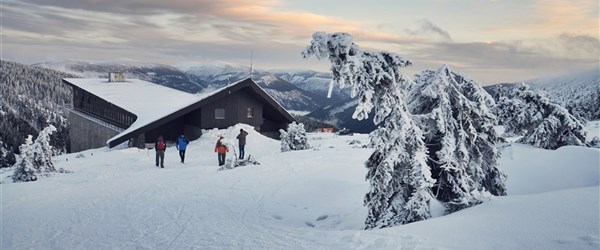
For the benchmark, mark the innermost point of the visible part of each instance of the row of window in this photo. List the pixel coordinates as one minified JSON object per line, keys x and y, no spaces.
{"x":94,"y":106}
{"x":109,"y":114}
{"x":220,"y":113}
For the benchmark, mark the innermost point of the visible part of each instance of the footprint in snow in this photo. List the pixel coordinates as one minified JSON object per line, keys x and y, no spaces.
{"x":322,"y":217}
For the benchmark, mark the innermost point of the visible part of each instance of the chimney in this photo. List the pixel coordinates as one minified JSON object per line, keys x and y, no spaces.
{"x":116,"y":77}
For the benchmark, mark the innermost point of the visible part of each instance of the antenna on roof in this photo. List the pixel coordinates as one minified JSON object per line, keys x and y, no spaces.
{"x":251,"y":57}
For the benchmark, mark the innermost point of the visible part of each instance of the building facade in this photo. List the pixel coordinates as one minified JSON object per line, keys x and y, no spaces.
{"x":96,"y":121}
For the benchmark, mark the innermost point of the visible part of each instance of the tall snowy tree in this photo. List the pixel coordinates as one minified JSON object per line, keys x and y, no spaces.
{"x":455,"y":115}
{"x":400,"y":180}
{"x":543,"y":123}
{"x":294,"y":138}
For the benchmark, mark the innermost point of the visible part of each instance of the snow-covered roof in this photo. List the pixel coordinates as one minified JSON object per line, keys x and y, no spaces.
{"x":148,"y":101}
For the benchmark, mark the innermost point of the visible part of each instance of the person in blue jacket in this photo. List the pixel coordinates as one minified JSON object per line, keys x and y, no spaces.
{"x":181,"y":145}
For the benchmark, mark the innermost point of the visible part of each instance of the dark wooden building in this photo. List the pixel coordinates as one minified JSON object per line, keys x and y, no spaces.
{"x":135,"y":112}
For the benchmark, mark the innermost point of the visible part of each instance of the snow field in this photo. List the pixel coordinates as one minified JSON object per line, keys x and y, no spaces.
{"x":310,"y":199}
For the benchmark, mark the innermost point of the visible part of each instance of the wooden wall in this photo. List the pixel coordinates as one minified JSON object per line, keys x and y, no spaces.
{"x":235,"y":106}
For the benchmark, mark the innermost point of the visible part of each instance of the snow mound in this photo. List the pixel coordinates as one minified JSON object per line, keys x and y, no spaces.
{"x":533,"y":170}
{"x":231,"y":133}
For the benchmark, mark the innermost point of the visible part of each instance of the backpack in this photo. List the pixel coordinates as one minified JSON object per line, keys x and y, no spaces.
{"x":161,"y":145}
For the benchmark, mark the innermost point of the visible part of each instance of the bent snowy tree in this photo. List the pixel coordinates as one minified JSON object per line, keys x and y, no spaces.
{"x":543,"y":123}
{"x":400,"y":180}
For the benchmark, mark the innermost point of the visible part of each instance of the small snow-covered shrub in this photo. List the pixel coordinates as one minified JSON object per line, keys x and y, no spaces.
{"x":594,"y":143}
{"x":294,"y":138}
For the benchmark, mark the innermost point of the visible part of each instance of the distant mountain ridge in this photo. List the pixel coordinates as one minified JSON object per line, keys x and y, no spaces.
{"x":578,"y":92}
{"x":161,"y":74}
{"x":299,"y":95}
{"x":304,"y":95}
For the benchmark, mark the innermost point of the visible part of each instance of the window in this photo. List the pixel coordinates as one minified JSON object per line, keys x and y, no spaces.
{"x":219,"y":114}
{"x":250,"y":112}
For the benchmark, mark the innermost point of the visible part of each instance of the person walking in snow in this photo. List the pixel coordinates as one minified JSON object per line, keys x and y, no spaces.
{"x":221,"y":150}
{"x":181,"y":145}
{"x":242,"y":142}
{"x":160,"y":146}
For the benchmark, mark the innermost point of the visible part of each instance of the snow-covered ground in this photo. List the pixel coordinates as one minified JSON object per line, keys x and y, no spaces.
{"x":311,"y":199}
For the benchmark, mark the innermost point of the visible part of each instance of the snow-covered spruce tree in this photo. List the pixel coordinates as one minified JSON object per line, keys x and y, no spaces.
{"x":43,"y":151}
{"x":24,"y":168}
{"x":400,"y":180}
{"x":455,"y":114}
{"x":36,"y":160}
{"x":294,"y":138}
{"x":544,"y":124}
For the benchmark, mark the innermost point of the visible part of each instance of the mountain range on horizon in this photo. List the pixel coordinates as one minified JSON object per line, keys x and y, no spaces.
{"x":301,"y":91}
{"x":304,"y":91}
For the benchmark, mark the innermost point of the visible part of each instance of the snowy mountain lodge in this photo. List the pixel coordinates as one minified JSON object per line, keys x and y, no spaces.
{"x":115,"y":111}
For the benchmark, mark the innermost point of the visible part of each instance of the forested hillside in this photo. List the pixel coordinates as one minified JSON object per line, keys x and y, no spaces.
{"x":578,"y":92}
{"x":30,"y":99}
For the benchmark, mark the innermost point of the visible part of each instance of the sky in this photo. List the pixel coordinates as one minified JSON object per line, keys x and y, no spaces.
{"x":493,"y":41}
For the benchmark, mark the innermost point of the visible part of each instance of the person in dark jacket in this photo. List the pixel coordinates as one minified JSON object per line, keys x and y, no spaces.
{"x":221,"y":150}
{"x":181,"y":145}
{"x":242,"y":142}
{"x":160,"y":146}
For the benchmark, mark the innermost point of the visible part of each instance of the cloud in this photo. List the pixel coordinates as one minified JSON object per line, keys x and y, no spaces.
{"x":231,"y":20}
{"x":580,"y":46}
{"x":519,"y":60}
{"x":427,"y":27}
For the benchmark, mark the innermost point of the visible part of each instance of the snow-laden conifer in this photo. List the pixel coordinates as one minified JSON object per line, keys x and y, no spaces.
{"x":44,"y":151}
{"x":36,"y":160}
{"x":455,"y":115}
{"x":542,"y":123}
{"x":400,"y":180}
{"x":24,"y":168}
{"x":294,"y":138}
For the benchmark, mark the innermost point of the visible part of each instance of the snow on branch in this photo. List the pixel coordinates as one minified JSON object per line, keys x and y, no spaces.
{"x":372,"y":76}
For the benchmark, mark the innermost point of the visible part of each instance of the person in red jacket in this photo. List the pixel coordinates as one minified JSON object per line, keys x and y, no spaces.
{"x":221,"y":150}
{"x":160,"y":146}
